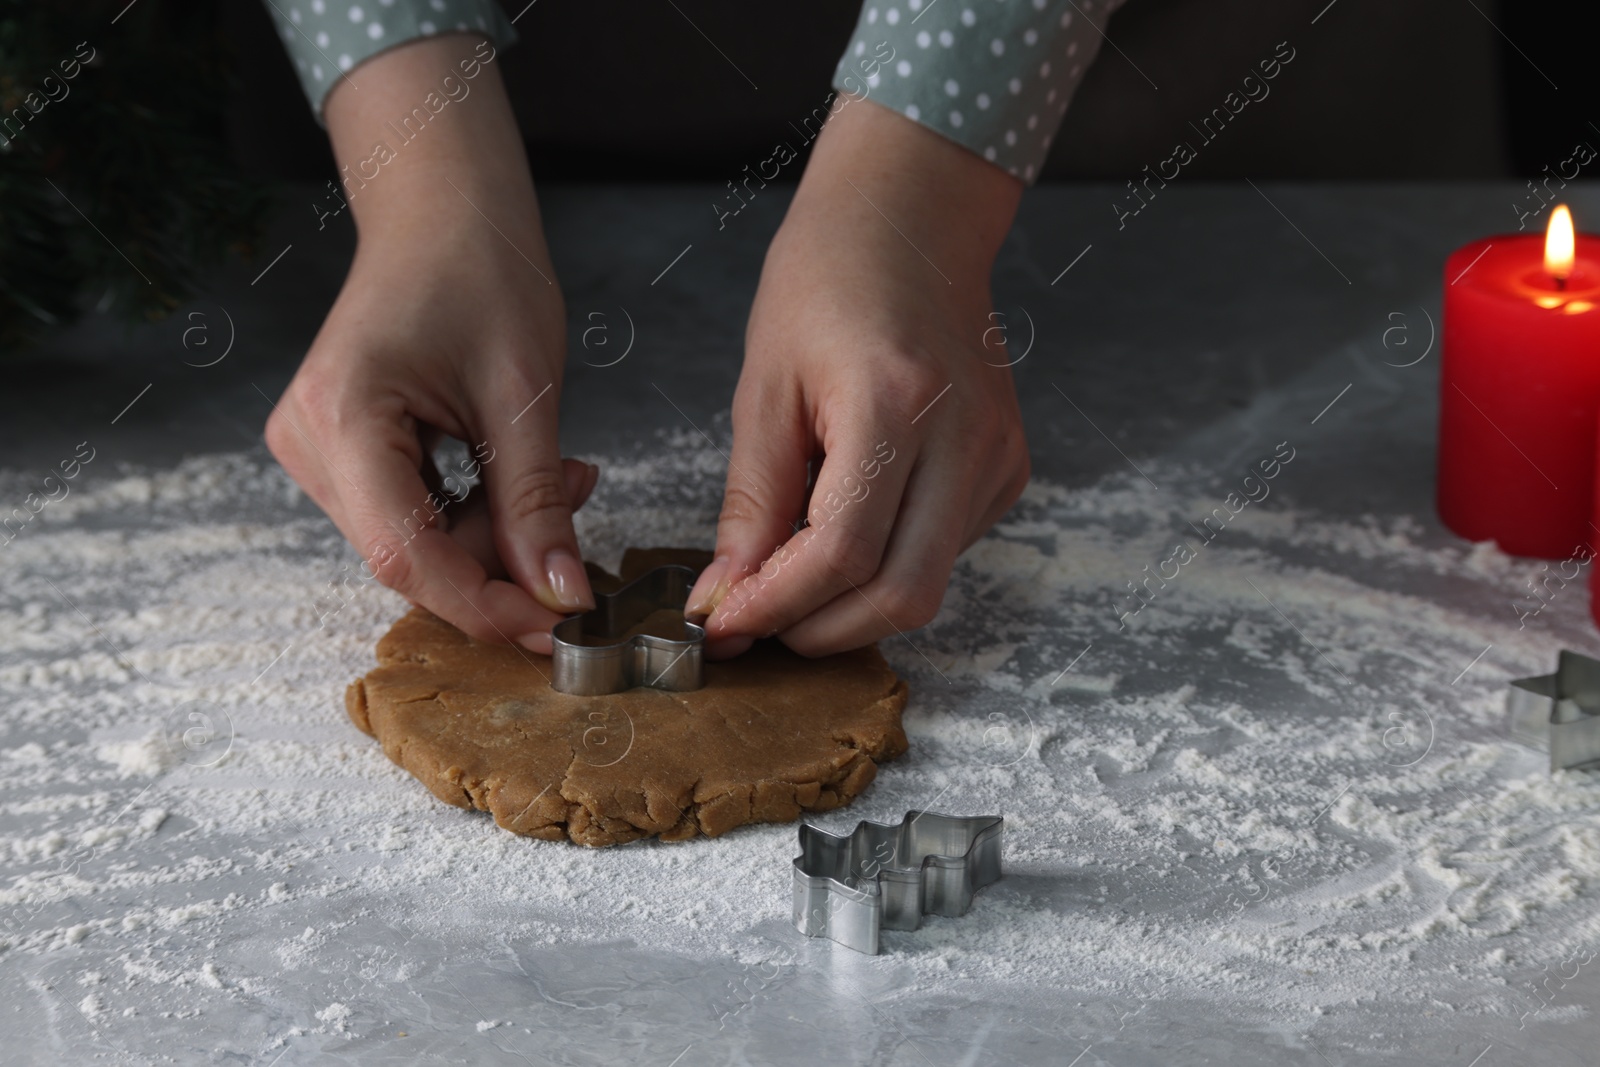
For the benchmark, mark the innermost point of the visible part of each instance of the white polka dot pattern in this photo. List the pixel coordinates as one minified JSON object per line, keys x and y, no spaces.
{"x":1001,"y":78}
{"x":327,"y":39}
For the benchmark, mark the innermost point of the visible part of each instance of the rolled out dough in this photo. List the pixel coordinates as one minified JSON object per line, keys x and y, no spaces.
{"x":771,"y":734}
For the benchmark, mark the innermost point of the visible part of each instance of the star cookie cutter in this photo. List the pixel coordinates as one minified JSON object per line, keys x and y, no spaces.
{"x":886,"y":877}
{"x":1561,"y":710}
{"x":593,"y":655}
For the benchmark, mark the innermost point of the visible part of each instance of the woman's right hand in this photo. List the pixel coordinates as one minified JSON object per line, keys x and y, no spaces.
{"x":450,"y":322}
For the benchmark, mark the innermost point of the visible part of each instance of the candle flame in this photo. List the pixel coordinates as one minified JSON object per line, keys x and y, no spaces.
{"x":1558,"y":244}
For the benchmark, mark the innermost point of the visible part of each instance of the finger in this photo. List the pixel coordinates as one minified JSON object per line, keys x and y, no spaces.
{"x":388,"y":513}
{"x":852,"y":513}
{"x":993,"y":497}
{"x":908,"y":589}
{"x":581,"y":479}
{"x":470,"y":525}
{"x":450,"y":487}
{"x":728,"y":647}
{"x":531,"y":502}
{"x":763,"y":496}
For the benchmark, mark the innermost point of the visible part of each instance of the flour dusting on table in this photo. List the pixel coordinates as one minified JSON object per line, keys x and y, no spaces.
{"x":1320,"y":810}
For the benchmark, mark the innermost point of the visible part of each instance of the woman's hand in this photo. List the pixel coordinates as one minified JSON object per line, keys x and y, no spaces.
{"x":450,"y":322}
{"x":871,"y":347}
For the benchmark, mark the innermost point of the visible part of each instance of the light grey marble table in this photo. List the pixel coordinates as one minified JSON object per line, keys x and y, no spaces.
{"x":250,"y":911}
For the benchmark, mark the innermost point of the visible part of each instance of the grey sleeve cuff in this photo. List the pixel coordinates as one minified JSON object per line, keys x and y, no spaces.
{"x":994,"y":77}
{"x":327,"y":39}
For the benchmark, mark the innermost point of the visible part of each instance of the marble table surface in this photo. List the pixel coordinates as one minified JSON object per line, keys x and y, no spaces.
{"x":179,"y":910}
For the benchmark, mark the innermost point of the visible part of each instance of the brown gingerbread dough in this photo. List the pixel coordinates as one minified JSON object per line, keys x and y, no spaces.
{"x":771,"y":734}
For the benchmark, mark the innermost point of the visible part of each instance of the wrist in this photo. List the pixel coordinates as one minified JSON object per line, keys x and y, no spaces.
{"x":423,"y":117}
{"x":950,"y":203}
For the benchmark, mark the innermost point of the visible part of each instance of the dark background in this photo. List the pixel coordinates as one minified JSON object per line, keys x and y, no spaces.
{"x":628,"y":90}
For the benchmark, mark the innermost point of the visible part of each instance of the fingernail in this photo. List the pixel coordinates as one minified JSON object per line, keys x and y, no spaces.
{"x":708,"y":590}
{"x":566,"y":587}
{"x":538,"y":641}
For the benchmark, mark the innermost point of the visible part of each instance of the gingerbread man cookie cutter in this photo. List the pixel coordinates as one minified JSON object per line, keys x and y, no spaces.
{"x":1561,"y":710}
{"x":888,"y":876}
{"x":593,"y":653}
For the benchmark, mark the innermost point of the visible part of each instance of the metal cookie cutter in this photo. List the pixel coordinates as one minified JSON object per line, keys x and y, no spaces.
{"x":888,"y":877}
{"x":1562,"y":709}
{"x":593,"y":656}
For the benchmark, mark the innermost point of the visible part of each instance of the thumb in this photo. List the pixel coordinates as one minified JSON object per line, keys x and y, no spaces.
{"x":765,"y":491}
{"x":530,"y":509}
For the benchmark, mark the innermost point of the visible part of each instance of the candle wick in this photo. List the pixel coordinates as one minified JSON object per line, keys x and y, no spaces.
{"x":1561,"y":281}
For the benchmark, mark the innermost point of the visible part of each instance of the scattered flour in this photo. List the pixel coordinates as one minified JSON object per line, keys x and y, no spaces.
{"x":1280,"y":788}
{"x":336,"y":1016}
{"x":146,"y":756}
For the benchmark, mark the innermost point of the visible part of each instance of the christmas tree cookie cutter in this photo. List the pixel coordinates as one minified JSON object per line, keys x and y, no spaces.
{"x":888,"y":876}
{"x":593,"y":653}
{"x":1561,"y":710}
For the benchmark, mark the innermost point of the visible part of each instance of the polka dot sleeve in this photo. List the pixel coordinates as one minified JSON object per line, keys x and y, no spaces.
{"x":328,"y":38}
{"x":993,"y":76}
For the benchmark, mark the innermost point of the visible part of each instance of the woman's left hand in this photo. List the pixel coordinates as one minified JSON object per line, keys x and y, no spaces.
{"x":871,"y":347}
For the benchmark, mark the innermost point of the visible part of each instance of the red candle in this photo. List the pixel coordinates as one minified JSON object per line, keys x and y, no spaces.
{"x":1520,"y":391}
